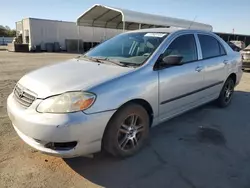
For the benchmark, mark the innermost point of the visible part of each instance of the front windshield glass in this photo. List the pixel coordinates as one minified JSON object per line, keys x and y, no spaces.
{"x":130,"y":48}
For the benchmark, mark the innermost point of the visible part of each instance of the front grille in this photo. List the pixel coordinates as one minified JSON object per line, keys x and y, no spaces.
{"x":23,"y":96}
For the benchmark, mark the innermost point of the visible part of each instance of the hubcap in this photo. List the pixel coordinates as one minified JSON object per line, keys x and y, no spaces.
{"x":130,"y":132}
{"x":229,"y":88}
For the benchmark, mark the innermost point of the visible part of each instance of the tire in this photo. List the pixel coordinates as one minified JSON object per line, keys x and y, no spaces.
{"x":226,"y":93}
{"x":127,"y":131}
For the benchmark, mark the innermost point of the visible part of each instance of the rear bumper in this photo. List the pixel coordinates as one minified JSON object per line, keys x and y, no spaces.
{"x":246,"y":64}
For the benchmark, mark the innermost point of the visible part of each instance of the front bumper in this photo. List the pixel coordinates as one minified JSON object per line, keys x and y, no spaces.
{"x":38,"y":129}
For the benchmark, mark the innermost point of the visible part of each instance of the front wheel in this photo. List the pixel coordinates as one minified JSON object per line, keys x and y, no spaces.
{"x":226,"y":93}
{"x":127,"y":131}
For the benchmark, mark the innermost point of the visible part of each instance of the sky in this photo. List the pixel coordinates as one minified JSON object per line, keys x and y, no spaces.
{"x":223,"y":15}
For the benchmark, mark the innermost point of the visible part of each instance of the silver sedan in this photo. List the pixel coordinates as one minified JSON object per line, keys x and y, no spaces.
{"x":112,"y":95}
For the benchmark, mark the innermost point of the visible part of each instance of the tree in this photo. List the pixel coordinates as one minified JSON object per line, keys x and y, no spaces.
{"x":7,"y":32}
{"x":11,"y":33}
{"x":2,"y":31}
{"x":7,"y":27}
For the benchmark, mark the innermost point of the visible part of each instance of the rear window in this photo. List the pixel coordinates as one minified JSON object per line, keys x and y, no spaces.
{"x":222,"y":50}
{"x":210,"y":47}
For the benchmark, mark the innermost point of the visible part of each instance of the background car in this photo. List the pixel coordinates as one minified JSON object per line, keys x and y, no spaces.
{"x":239,"y":43}
{"x":246,"y":57}
{"x":234,"y":47}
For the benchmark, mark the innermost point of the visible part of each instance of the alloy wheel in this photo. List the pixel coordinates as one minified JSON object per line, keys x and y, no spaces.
{"x":229,"y":89}
{"x":130,"y":132}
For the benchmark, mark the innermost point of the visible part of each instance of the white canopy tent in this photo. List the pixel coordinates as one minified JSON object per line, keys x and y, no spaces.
{"x":117,"y":18}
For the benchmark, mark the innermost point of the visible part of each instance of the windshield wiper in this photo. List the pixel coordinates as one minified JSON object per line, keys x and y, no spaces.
{"x":131,"y":64}
{"x":123,"y":64}
{"x":92,"y":59}
{"x":116,"y":62}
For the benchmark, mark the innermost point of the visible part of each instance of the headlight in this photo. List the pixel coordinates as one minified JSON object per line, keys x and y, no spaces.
{"x":67,"y":102}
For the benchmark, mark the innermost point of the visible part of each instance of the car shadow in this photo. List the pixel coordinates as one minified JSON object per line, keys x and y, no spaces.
{"x":173,"y":152}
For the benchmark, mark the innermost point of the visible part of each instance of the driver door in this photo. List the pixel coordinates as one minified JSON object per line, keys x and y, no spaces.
{"x":180,"y":86}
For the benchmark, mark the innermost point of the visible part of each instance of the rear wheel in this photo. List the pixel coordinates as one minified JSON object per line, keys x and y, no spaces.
{"x":127,"y":131}
{"x":226,"y":93}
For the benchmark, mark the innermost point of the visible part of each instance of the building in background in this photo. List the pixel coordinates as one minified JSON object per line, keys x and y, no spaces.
{"x":40,"y":32}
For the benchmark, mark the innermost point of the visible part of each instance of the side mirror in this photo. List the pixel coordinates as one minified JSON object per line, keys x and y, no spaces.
{"x":172,"y":60}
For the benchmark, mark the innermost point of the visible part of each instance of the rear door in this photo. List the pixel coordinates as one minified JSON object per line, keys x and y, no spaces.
{"x":214,"y":60}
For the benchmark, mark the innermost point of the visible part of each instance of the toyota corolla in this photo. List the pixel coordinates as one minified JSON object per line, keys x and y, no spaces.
{"x":111,"y":96}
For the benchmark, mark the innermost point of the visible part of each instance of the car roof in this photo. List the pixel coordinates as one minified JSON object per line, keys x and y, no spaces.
{"x":165,"y":30}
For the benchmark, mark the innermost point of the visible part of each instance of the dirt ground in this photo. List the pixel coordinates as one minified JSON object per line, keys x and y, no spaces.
{"x":205,"y":148}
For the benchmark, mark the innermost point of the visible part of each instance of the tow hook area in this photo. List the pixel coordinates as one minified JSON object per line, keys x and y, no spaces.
{"x":61,"y":145}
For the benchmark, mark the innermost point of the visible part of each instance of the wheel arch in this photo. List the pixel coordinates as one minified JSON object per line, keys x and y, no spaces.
{"x":233,"y":76}
{"x":145,"y":104}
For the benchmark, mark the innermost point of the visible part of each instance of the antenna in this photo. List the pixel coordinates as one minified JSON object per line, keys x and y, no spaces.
{"x":192,"y":22}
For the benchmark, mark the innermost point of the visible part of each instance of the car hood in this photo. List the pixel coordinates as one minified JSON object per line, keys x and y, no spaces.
{"x":70,"y":75}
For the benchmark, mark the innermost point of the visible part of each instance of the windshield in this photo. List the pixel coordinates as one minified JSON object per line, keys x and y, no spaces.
{"x":130,"y":48}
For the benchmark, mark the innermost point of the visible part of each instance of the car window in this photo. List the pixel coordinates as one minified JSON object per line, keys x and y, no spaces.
{"x":129,"y":47}
{"x":222,"y":49}
{"x":185,"y":46}
{"x":210,"y":46}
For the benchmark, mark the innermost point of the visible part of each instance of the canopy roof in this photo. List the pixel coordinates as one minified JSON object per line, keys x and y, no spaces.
{"x":109,"y":17}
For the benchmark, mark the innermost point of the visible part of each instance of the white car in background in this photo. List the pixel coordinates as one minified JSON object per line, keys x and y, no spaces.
{"x":246,"y":57}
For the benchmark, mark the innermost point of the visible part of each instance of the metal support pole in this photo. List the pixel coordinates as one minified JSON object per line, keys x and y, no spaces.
{"x":93,"y":36}
{"x":139,"y":26}
{"x":78,"y":42}
{"x":123,"y":26}
{"x":105,"y":34}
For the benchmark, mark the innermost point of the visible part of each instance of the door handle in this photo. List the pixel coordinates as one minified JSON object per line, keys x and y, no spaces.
{"x":199,"y":69}
{"x":225,"y":62}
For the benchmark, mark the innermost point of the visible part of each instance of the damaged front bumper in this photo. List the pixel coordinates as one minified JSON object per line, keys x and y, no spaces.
{"x":63,"y":135}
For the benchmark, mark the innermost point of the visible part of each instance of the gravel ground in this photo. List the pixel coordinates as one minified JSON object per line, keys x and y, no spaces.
{"x":207,"y":147}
